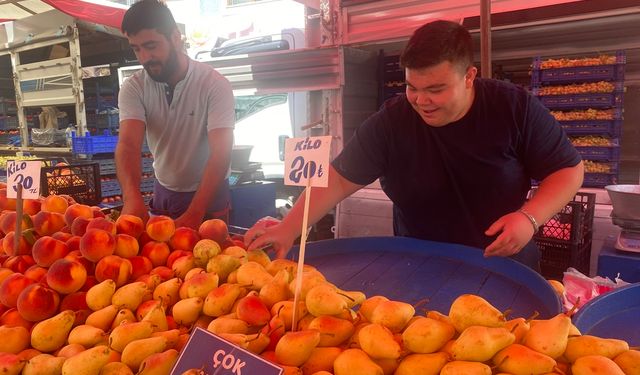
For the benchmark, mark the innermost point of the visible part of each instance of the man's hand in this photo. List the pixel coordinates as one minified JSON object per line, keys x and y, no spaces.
{"x":516,"y":233}
{"x":136,"y":207}
{"x":269,"y":231}
{"x":190,"y":219}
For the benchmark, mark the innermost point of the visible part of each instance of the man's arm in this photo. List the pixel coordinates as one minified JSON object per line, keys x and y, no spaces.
{"x":215,"y":171}
{"x":552,"y":195}
{"x":281,"y":236}
{"x":128,"y":166}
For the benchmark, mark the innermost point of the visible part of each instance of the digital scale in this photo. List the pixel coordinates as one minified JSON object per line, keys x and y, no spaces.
{"x":625,"y":200}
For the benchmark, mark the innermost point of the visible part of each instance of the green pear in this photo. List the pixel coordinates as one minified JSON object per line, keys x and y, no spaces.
{"x":465,"y":368}
{"x":479,"y":343}
{"x":277,"y":289}
{"x":126,"y":332}
{"x":159,"y":363}
{"x":378,"y":342}
{"x":294,"y":348}
{"x":581,"y":346}
{"x":426,"y":335}
{"x":223,"y":265}
{"x":423,"y":364}
{"x":323,"y":299}
{"x":333,"y":331}
{"x":549,"y":336}
{"x":253,"y":275}
{"x":220,"y":300}
{"x":471,"y":310}
{"x":43,"y":364}
{"x":392,"y":314}
{"x":321,"y":359}
{"x":518,"y":359}
{"x":595,"y":365}
{"x":355,"y":361}
{"x":367,"y":306}
{"x":629,"y":362}
{"x":51,"y":334}
{"x":88,"y":362}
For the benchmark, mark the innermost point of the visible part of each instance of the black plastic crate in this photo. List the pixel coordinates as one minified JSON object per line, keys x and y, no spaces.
{"x":80,"y":181}
{"x":565,"y":240}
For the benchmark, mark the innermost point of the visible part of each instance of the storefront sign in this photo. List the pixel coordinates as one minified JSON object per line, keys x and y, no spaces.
{"x":307,"y":159}
{"x":25,"y":173}
{"x":213,"y":355}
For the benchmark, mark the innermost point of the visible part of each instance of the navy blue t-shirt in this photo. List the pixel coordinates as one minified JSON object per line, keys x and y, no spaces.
{"x":451,"y":183}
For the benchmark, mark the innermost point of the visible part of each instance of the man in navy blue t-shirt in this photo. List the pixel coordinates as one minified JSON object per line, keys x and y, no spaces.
{"x":456,"y":155}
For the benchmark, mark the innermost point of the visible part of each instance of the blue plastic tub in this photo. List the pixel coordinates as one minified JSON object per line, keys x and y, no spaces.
{"x":413,"y":270}
{"x":612,"y":315}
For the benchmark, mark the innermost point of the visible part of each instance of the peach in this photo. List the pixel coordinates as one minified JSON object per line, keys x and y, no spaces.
{"x":143,"y":239}
{"x":157,"y":252}
{"x":36,"y":273}
{"x":102,"y":223}
{"x":184,"y":239}
{"x":70,"y":199}
{"x":79,"y":226}
{"x":12,"y":318}
{"x":96,"y":244}
{"x":54,"y":203}
{"x":126,"y":246}
{"x":97,"y":212}
{"x":77,"y":256}
{"x":4,"y":273}
{"x":11,"y":287}
{"x":6,"y":203}
{"x":31,"y":206}
{"x":62,"y":236}
{"x":130,"y":224}
{"x":74,"y":243}
{"x":24,"y":246}
{"x":48,"y":223}
{"x":75,"y":301}
{"x":115,"y":268}
{"x":77,"y":210}
{"x":140,"y":266}
{"x":175,"y":254}
{"x":214,"y":229}
{"x":164,"y":272}
{"x":37,"y":302}
{"x":66,"y":276}
{"x":160,"y":228}
{"x":91,"y":281}
{"x":47,"y":250}
{"x":8,"y":221}
{"x":19,"y":263}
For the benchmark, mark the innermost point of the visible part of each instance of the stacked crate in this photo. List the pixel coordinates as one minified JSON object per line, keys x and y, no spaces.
{"x":586,"y":97}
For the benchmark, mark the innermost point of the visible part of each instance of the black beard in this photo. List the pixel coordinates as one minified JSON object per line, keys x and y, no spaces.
{"x":167,"y":70}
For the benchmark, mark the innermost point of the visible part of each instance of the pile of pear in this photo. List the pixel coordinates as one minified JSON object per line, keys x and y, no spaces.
{"x":247,"y":299}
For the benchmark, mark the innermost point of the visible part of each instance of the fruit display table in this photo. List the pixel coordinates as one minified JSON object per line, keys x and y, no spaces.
{"x":614,"y":263}
{"x":413,"y":270}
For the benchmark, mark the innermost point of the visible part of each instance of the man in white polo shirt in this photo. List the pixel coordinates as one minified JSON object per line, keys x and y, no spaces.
{"x":186,"y":110}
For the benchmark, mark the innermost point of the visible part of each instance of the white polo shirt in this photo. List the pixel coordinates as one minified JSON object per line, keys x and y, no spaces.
{"x":177,"y":134}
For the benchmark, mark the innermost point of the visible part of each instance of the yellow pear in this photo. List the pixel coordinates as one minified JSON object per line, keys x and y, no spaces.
{"x":204,"y":250}
{"x":323,"y":299}
{"x":353,"y":297}
{"x":447,"y":348}
{"x":472,"y":310}
{"x":277,"y":289}
{"x":549,"y":336}
{"x":581,"y":346}
{"x":51,"y":334}
{"x":465,"y":368}
{"x":629,"y":362}
{"x":168,"y":292}
{"x":228,"y":325}
{"x":43,"y":364}
{"x":219,"y":300}
{"x":222,"y":265}
{"x":355,"y":362}
{"x":284,"y":309}
{"x":69,"y":350}
{"x":129,"y":296}
{"x":102,"y":318}
{"x":277,"y":265}
{"x":99,"y":295}
{"x":259,"y":256}
{"x":310,"y":279}
{"x":367,"y":306}
{"x":392,"y":314}
{"x":86,"y":335}
{"x":157,"y":317}
{"x":88,"y":362}
{"x":126,"y":332}
{"x":294,"y":348}
{"x":433,"y":314}
{"x":378,"y":342}
{"x":333,"y":331}
{"x":159,"y":363}
{"x":186,"y":311}
{"x":388,"y":365}
{"x":192,"y":272}
{"x":122,"y":316}
{"x":519,"y":327}
{"x":253,"y":275}
{"x":173,"y":336}
{"x":199,"y":285}
{"x":137,"y":350}
{"x":237,"y":252}
{"x":257,"y":342}
{"x":426,"y":335}
{"x":11,"y":364}
{"x":116,"y":368}
{"x":518,"y":359}
{"x":14,"y":339}
{"x":479,"y":343}
{"x":321,"y":359}
{"x":423,"y":364}
{"x":595,"y":365}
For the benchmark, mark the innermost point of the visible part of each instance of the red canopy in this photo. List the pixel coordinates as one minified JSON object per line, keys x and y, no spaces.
{"x":90,"y":12}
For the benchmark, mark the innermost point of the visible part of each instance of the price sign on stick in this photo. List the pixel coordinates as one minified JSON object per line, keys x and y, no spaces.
{"x":306,"y":163}
{"x":25,"y":173}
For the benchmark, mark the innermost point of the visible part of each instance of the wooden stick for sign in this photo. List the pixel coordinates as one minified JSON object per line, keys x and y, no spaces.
{"x":18,"y":231}
{"x":303,"y":243}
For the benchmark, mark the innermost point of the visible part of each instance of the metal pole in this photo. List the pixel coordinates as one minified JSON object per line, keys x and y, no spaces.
{"x":485,"y":38}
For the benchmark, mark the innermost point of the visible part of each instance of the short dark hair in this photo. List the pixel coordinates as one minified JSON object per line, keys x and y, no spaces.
{"x":436,"y":42}
{"x":149,"y":14}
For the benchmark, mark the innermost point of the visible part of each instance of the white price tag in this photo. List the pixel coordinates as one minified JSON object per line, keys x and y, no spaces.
{"x":307,"y":159}
{"x":25,"y":173}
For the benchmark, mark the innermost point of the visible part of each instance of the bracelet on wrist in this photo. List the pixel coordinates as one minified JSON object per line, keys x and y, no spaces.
{"x":532,"y":219}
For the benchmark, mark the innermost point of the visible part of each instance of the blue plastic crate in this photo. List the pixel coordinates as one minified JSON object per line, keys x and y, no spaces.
{"x":599,"y":153}
{"x":146,"y":185}
{"x":109,"y":185}
{"x":599,"y":180}
{"x":611,"y":128}
{"x":582,"y":101}
{"x":107,"y":166}
{"x":90,"y":145}
{"x":609,"y":72}
{"x":147,"y":165}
